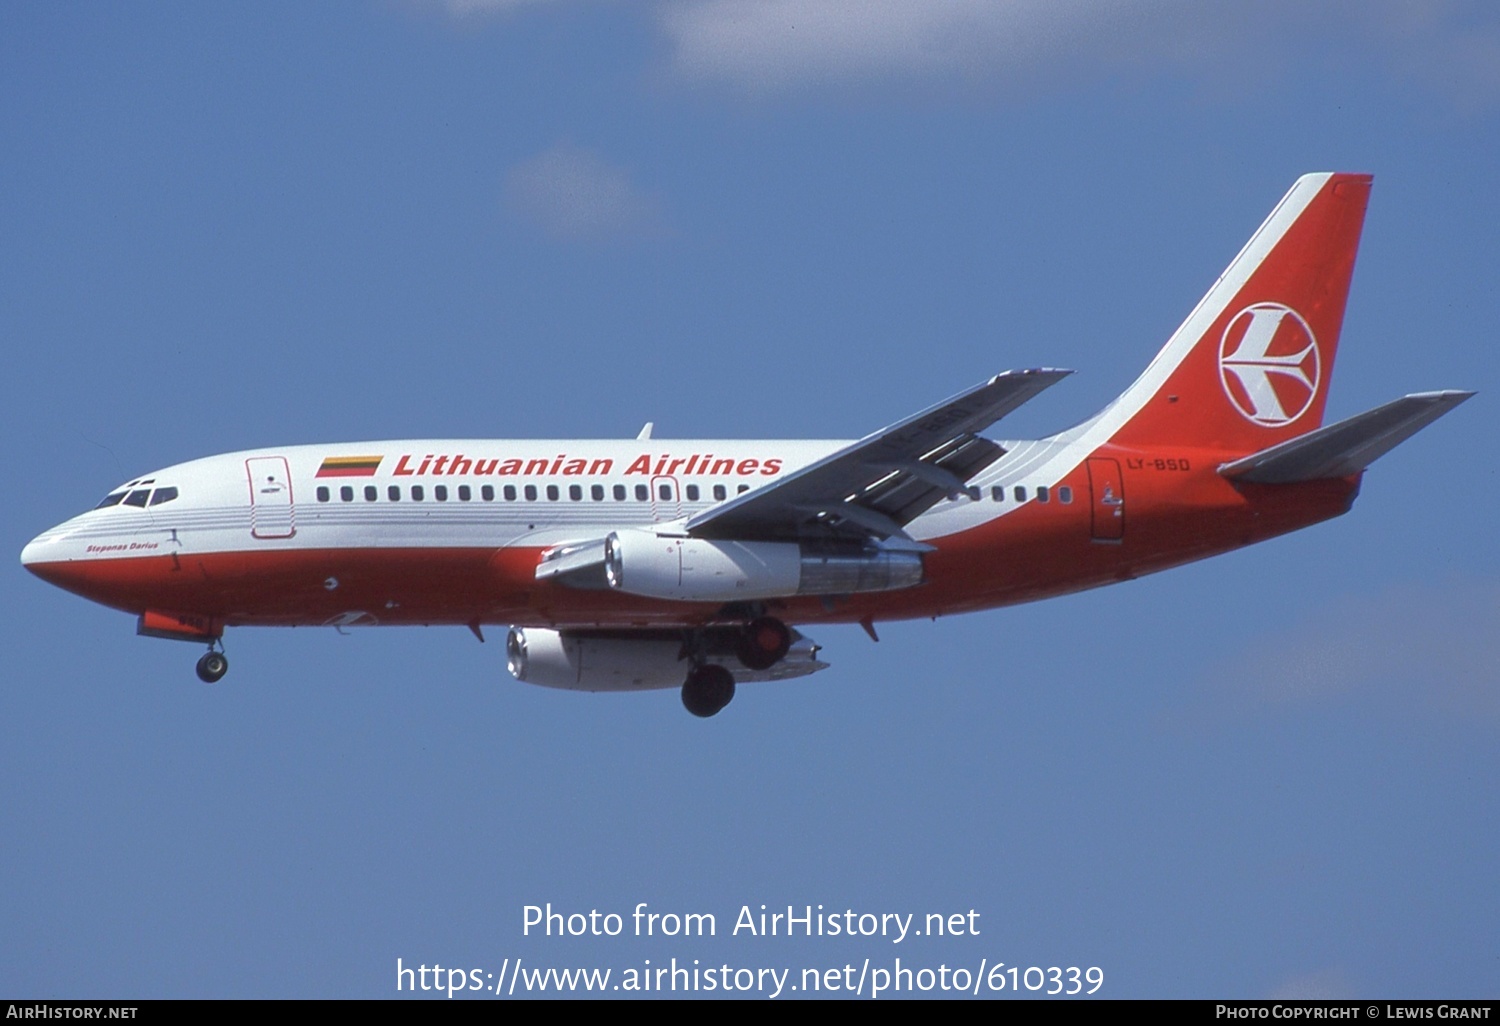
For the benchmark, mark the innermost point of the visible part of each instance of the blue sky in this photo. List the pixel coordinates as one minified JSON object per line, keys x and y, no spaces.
{"x":231,"y":226}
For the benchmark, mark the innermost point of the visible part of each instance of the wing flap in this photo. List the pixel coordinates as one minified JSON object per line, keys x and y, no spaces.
{"x":875,"y":486}
{"x":1347,"y":447}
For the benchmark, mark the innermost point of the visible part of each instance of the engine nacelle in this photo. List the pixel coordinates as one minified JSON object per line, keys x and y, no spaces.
{"x":589,"y":662}
{"x":707,"y":570}
{"x":638,"y":660}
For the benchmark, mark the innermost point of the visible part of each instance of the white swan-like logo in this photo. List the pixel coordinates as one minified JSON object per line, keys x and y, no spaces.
{"x":1269,"y":364}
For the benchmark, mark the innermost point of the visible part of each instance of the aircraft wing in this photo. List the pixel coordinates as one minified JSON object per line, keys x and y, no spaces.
{"x":1347,"y":447}
{"x":879,"y":484}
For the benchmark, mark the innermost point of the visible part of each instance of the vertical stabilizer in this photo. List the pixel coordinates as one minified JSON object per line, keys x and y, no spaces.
{"x":1250,"y":366}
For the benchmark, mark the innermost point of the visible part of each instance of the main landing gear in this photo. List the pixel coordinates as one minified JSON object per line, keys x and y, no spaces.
{"x":212,"y":666}
{"x":709,"y":687}
{"x":764,"y":643}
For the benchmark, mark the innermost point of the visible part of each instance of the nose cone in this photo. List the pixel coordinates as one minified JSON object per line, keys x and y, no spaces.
{"x":55,"y":557}
{"x":40,"y":553}
{"x":35,"y":554}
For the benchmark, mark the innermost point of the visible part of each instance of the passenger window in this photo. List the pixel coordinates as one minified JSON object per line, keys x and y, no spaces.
{"x":322,"y":493}
{"x":742,"y":489}
{"x":416,"y":493}
{"x":464,"y":494}
{"x":619,"y":493}
{"x":552,"y":493}
{"x":1042,"y":494}
{"x":162,"y":495}
{"x":531,"y":493}
{"x":112,"y":499}
{"x":138,"y":497}
{"x":692,"y":493}
{"x":998,"y":493}
{"x":641,"y":494}
{"x":393,"y":493}
{"x":487,"y":493}
{"x":575,"y":492}
{"x":1064,"y":493}
{"x":1020,"y":493}
{"x":510,"y":493}
{"x":665,"y":491}
{"x":346,"y":493}
{"x":371,"y":493}
{"x":597,"y":491}
{"x":440,"y":493}
{"x":720,"y":493}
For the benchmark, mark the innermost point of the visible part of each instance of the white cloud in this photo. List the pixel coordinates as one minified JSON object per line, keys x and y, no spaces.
{"x":1328,"y":985}
{"x":781,"y":42}
{"x":1230,"y":45}
{"x":1416,"y":650}
{"x":467,"y":8}
{"x":777,"y":44}
{"x":573,"y":194}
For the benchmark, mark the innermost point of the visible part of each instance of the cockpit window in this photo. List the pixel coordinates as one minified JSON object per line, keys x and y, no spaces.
{"x":138,"y":497}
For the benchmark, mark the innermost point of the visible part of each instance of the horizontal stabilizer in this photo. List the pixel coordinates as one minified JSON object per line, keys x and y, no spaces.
{"x":1347,"y":447}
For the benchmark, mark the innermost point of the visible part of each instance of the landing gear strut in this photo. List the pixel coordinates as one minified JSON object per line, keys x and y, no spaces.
{"x":709,"y":688}
{"x":212,"y":666}
{"x":764,"y":643}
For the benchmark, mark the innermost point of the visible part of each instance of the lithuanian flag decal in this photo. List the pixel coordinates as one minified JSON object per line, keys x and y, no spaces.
{"x":350,"y":466}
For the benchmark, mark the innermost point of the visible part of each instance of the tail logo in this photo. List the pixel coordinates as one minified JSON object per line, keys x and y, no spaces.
{"x":1269,"y":364}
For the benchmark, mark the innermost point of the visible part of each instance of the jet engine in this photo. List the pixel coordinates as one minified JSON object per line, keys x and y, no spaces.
{"x":707,"y":570}
{"x":635,"y":660}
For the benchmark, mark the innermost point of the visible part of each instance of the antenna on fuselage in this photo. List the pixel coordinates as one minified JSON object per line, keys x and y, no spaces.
{"x":645,"y":434}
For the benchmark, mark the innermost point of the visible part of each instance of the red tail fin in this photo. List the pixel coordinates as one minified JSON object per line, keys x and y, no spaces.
{"x":1250,"y":366}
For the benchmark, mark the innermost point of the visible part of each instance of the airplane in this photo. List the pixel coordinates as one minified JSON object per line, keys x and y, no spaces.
{"x":622,"y":565}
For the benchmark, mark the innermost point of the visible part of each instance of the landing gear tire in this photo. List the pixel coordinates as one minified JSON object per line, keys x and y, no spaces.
{"x":212,"y":667}
{"x":708,"y":689}
{"x":764,"y":643}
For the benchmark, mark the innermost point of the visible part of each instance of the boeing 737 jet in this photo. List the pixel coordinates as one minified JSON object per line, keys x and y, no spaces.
{"x":648,"y":563}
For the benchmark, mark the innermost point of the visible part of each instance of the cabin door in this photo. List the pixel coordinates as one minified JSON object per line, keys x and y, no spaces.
{"x":1108,"y":490}
{"x":270,"y":497}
